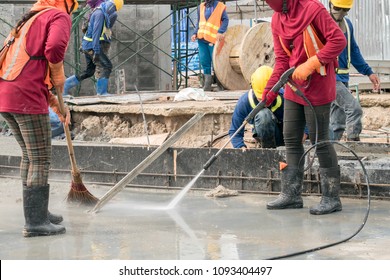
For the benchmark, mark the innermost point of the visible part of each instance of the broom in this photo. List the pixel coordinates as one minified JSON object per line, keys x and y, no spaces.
{"x":78,"y":192}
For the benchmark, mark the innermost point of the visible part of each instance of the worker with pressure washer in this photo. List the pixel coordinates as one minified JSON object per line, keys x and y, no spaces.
{"x":32,"y":66}
{"x":96,"y":44}
{"x":308,"y":40}
{"x":268,"y":123}
{"x":346,"y":112}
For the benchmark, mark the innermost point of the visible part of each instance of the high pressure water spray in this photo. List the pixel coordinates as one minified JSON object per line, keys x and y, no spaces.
{"x":282,"y":81}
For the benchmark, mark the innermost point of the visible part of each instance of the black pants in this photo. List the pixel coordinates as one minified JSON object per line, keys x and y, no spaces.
{"x":295,"y":118}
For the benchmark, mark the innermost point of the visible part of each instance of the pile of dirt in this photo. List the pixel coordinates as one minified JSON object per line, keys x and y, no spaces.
{"x":103,"y":129}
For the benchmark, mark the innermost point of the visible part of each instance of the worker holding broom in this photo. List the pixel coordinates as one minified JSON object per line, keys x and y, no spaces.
{"x":306,"y":37}
{"x":31,"y":67}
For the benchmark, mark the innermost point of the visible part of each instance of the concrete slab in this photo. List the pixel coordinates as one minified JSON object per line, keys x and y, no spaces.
{"x":133,"y":226}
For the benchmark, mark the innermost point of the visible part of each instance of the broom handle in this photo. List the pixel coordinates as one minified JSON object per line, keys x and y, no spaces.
{"x":68,"y":136}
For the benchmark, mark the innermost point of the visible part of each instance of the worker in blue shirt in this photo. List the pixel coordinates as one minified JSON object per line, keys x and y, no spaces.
{"x":346,"y":112}
{"x":268,"y":123}
{"x":96,"y":44}
{"x":212,"y":23}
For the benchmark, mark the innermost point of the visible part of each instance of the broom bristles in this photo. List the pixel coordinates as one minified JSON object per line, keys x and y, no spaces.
{"x":79,"y":193}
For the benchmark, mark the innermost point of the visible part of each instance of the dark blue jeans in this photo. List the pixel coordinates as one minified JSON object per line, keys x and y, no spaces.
{"x":206,"y":56}
{"x":268,"y":129}
{"x":103,"y":67}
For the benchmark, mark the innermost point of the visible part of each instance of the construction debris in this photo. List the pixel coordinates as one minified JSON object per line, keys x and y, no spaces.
{"x":221,"y":191}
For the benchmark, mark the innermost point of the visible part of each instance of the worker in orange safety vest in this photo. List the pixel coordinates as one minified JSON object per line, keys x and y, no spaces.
{"x":211,"y":26}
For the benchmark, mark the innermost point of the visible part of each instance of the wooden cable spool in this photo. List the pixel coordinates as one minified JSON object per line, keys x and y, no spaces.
{"x":241,"y":52}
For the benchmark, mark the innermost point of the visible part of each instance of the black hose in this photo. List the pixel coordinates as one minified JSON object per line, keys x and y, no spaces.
{"x":364,"y":220}
{"x":314,"y":146}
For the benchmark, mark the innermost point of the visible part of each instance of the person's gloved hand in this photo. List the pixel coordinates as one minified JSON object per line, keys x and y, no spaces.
{"x":305,"y":69}
{"x":269,"y":97}
{"x":55,"y":106}
{"x":57,"y":75}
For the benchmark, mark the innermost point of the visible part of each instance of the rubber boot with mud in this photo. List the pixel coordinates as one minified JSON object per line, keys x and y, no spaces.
{"x":70,"y":82}
{"x":53,"y":218}
{"x":208,"y":81}
{"x":219,"y":85}
{"x":330,"y":188}
{"x":102,"y":87}
{"x":35,"y":205}
{"x":291,"y":189}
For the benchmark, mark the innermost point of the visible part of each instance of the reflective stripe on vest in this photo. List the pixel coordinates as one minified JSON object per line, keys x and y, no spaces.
{"x":346,"y":70}
{"x":17,"y":56}
{"x":101,"y":36}
{"x":253,"y":104}
{"x":208,"y":29}
{"x":312,"y":45}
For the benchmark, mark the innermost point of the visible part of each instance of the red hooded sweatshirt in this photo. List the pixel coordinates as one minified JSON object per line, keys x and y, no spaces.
{"x":48,"y":36}
{"x":289,"y":28}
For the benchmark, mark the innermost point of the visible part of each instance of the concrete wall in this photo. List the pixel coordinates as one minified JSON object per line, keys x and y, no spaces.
{"x":133,"y":21}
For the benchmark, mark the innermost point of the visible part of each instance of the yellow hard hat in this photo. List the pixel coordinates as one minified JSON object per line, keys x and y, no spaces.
{"x":118,"y":4}
{"x":342,"y":3}
{"x":259,"y":79}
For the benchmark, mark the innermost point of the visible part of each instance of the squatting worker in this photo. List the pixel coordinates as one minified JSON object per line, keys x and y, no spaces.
{"x":306,"y":37}
{"x":96,"y":45}
{"x":33,"y":65}
{"x":268,"y":122}
{"x":212,"y":23}
{"x":345,"y":112}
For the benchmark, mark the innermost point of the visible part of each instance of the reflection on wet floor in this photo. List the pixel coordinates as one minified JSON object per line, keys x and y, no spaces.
{"x":135,"y":225}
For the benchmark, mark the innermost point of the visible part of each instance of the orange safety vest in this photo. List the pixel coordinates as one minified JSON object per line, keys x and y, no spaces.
{"x":312,"y":45}
{"x":17,"y":56}
{"x":208,"y":29}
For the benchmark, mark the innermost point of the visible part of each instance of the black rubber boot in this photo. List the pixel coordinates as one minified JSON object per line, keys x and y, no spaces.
{"x":219,"y":85}
{"x":35,"y":204}
{"x":330,"y":188}
{"x":290,"y":195}
{"x":53,"y":218}
{"x":208,"y":81}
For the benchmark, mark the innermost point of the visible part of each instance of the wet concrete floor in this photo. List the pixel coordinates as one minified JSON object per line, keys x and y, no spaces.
{"x":133,"y":226}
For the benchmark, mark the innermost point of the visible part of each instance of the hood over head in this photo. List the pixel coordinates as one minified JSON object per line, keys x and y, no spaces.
{"x":276,"y":5}
{"x":94,"y":3}
{"x":67,"y":6}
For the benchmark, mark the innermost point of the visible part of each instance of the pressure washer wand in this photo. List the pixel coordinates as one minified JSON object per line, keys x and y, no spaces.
{"x":282,"y":81}
{"x":180,"y":195}
{"x":250,"y":116}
